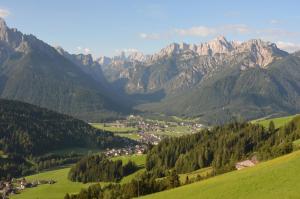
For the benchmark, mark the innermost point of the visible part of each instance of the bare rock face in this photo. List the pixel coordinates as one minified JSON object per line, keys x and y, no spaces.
{"x":261,"y":53}
{"x":103,"y":60}
{"x":86,"y":63}
{"x":180,"y":66}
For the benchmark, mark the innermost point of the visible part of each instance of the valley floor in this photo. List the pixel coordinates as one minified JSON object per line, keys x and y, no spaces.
{"x":277,"y":178}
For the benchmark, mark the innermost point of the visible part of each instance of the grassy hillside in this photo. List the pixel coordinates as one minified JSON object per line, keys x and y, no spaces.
{"x":138,"y":159}
{"x":277,"y":178}
{"x":55,"y":191}
{"x":63,"y":185}
{"x":280,"y":121}
{"x":193,"y":175}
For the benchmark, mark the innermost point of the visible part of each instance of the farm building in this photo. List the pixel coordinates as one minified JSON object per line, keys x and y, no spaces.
{"x":245,"y":164}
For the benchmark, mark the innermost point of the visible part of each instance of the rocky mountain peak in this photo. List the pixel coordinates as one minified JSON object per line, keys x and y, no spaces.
{"x":219,"y":45}
{"x":86,"y":60}
{"x":2,"y":24}
{"x":261,"y":53}
{"x":103,"y":60}
{"x":137,"y":56}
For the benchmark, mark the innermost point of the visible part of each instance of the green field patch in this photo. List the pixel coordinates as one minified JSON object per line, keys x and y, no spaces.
{"x":51,"y":191}
{"x":63,"y":185}
{"x":133,"y":136}
{"x":296,"y":144}
{"x":280,"y":121}
{"x":140,"y":160}
{"x":109,"y":127}
{"x":274,"y":179}
{"x":132,"y":176}
{"x":193,"y":175}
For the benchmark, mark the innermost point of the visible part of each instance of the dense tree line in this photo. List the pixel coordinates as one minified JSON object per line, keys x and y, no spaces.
{"x":97,"y":168}
{"x":54,"y":160}
{"x":28,"y":131}
{"x":221,"y":147}
{"x":141,"y":185}
{"x":14,"y":165}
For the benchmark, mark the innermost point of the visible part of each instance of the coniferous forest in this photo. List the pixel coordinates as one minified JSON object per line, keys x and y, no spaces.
{"x":220,"y":147}
{"x":28,"y":132}
{"x":98,"y":168}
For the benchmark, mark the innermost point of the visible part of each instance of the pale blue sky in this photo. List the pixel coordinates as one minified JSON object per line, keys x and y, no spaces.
{"x":106,"y":27}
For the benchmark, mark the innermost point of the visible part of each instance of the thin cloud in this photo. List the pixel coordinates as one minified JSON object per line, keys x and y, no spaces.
{"x":276,"y":32}
{"x":271,"y":34}
{"x":199,"y":31}
{"x":150,"y":36}
{"x":4,"y":13}
{"x":83,"y":50}
{"x":126,"y":50}
{"x":235,"y":28}
{"x":86,"y":50}
{"x":274,"y":21}
{"x":288,"y":46}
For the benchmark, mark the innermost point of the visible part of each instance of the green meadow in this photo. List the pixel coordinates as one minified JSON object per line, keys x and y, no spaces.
{"x":140,"y":160}
{"x":192,"y":175}
{"x":280,"y":121}
{"x":274,"y":179}
{"x":54,"y":191}
{"x":63,"y":185}
{"x":113,"y":129}
{"x":128,"y":132}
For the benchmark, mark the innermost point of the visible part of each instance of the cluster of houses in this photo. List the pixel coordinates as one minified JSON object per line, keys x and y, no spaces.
{"x":14,"y":186}
{"x":140,"y":123}
{"x":137,"y":149}
{"x":149,"y":138}
{"x":246,"y":163}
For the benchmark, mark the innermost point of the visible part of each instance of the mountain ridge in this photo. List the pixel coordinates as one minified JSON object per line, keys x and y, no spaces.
{"x":35,"y":72}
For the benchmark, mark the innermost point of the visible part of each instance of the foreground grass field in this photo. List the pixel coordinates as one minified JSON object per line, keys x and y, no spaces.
{"x":63,"y":185}
{"x":274,"y":179}
{"x":280,"y":121}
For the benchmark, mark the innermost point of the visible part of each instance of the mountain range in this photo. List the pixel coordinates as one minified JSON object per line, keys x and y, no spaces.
{"x":216,"y":81}
{"x":35,"y":72}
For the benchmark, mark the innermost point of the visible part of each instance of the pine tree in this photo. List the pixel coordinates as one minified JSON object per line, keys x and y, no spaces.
{"x":67,"y":196}
{"x":271,"y":127}
{"x":187,"y":180}
{"x":174,"y":180}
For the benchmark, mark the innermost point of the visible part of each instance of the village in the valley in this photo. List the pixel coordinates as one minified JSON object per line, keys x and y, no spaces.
{"x":147,"y":131}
